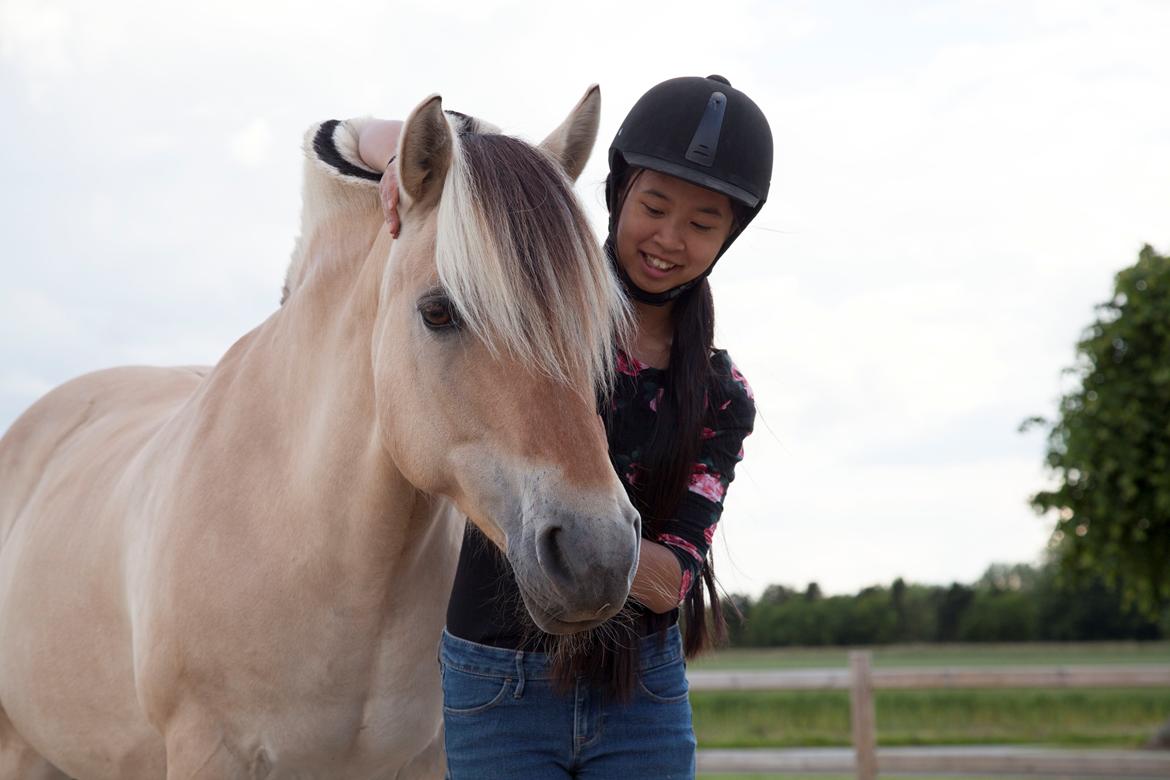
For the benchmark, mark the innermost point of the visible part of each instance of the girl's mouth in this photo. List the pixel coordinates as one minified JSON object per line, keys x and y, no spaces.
{"x":656,"y":267}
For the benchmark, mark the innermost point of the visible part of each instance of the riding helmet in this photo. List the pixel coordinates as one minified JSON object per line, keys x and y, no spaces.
{"x":700,"y":130}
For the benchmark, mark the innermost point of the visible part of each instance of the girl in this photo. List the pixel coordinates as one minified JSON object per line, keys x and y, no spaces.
{"x":689,"y":169}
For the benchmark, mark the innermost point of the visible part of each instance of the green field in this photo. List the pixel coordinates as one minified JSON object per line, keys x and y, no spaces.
{"x":847,"y":777}
{"x":850,"y":777}
{"x":1086,"y":718}
{"x":1113,"y":718}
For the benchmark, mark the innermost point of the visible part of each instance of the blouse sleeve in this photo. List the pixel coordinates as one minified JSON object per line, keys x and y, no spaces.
{"x":689,"y":535}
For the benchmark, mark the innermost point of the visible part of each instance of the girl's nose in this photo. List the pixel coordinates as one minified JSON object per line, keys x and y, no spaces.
{"x":670,"y":236}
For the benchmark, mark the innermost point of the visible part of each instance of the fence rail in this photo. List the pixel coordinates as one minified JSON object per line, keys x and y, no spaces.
{"x":866,"y":760}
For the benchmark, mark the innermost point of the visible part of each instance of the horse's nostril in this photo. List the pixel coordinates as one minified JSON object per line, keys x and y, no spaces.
{"x":550,"y":553}
{"x":636,"y":520}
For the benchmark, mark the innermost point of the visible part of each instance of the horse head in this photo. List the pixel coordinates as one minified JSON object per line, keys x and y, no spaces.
{"x":497,"y":320}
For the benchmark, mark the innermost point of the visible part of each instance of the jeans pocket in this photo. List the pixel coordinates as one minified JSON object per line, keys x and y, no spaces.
{"x":467,"y":693}
{"x":666,"y":684}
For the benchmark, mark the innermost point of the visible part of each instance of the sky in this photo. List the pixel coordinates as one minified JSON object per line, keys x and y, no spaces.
{"x":955,"y":185}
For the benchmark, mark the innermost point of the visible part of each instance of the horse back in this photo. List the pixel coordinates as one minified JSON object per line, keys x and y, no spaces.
{"x":128,"y":401}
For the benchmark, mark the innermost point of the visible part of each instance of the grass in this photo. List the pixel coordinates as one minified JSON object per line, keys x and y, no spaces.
{"x":1082,"y":718}
{"x":755,"y":776}
{"x":1090,"y":717}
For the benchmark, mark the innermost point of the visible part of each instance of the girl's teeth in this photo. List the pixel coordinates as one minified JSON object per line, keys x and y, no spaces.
{"x":659,"y":264}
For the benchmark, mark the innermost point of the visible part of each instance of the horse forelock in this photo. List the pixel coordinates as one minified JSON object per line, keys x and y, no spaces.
{"x":517,"y":257}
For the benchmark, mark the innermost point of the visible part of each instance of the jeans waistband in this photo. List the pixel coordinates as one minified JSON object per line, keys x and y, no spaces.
{"x":467,"y":656}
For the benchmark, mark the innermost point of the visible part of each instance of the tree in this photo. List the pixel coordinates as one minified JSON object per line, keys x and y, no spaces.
{"x":901,"y":618}
{"x":776,"y":594}
{"x":953,"y":604}
{"x":1085,"y":610}
{"x":1110,"y":447}
{"x":737,"y":612}
{"x":999,"y":616}
{"x":1008,"y":576}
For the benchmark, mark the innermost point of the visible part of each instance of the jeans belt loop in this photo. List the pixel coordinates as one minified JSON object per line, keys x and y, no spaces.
{"x":519,"y":674}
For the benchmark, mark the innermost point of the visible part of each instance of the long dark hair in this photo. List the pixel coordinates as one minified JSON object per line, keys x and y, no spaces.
{"x":691,"y":389}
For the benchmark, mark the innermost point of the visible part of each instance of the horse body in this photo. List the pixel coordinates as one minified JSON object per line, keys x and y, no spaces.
{"x":242,"y":571}
{"x":222,"y":559}
{"x":64,"y":617}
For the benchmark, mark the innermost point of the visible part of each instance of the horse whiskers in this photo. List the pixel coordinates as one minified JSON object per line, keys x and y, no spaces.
{"x":617,"y":633}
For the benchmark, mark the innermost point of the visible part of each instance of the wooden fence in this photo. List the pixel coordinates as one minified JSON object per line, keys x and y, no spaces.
{"x":866,"y":760}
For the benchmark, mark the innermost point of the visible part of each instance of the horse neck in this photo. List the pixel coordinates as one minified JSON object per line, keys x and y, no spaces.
{"x":294,"y":402}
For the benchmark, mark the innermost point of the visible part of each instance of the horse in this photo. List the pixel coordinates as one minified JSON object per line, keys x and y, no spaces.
{"x":242,"y":571}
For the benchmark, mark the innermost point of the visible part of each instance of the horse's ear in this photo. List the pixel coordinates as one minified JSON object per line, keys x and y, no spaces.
{"x":424,"y":153}
{"x":572,"y":142}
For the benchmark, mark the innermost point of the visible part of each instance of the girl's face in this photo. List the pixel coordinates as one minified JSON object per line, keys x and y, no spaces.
{"x":669,"y":230}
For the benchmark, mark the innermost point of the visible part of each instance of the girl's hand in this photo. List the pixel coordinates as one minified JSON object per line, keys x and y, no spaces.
{"x":658,"y":579}
{"x":377,"y":144}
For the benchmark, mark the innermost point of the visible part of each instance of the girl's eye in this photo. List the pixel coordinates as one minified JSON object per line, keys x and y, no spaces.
{"x":653,"y":211}
{"x":703,"y":228}
{"x":437,"y":314}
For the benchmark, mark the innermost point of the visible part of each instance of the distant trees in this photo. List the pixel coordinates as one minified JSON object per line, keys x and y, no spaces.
{"x":1009,"y":603}
{"x":1110,"y":446}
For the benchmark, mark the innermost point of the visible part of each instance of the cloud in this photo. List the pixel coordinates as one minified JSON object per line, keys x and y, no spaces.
{"x":252,"y":143}
{"x":24,"y":385}
{"x":35,"y":36}
{"x":29,"y":314}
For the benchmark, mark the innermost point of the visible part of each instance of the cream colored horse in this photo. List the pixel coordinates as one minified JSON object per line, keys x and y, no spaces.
{"x":242,"y":571}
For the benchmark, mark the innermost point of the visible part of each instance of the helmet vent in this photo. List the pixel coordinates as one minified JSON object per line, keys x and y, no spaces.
{"x":705,"y":142}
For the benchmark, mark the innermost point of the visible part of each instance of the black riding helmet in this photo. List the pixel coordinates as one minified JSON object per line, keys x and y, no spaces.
{"x":703,"y":131}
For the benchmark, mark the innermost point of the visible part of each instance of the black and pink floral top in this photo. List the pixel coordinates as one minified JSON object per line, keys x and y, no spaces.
{"x":485,"y":600}
{"x":730,"y":416}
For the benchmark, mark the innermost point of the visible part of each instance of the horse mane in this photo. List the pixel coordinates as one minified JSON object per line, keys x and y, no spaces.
{"x":520,"y":263}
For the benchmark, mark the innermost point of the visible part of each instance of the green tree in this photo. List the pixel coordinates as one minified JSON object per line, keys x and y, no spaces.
{"x":901,"y":615}
{"x":776,"y":594}
{"x":953,"y":604}
{"x":999,"y":616}
{"x":921,"y":615}
{"x":737,"y":613}
{"x":1008,"y":576}
{"x":1110,"y":446}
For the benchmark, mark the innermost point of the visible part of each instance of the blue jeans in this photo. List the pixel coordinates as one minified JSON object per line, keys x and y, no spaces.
{"x":504,"y":719}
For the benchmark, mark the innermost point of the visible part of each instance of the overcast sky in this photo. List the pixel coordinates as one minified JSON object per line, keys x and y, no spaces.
{"x":955,"y":185}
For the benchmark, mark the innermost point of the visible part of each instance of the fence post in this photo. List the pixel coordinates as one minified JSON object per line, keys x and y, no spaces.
{"x":862,"y":714}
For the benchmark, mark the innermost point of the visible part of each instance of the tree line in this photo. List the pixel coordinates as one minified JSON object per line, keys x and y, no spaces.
{"x":1009,"y":603}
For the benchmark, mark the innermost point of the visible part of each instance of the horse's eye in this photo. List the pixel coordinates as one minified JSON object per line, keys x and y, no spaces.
{"x":437,"y":314}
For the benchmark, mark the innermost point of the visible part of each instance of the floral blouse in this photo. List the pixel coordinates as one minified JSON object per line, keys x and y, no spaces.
{"x":630,"y":428}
